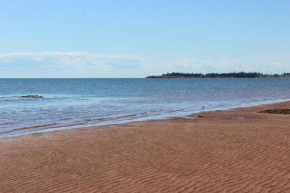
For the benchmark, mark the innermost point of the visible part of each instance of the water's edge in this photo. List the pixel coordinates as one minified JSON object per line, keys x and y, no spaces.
{"x":188,"y":115}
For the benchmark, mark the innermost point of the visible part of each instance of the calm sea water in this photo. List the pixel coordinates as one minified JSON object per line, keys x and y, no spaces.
{"x":71,"y":103}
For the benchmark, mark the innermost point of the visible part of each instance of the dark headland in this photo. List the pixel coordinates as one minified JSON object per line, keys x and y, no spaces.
{"x":220,"y":75}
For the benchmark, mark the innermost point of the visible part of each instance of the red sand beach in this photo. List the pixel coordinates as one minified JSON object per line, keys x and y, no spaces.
{"x":239,"y":150}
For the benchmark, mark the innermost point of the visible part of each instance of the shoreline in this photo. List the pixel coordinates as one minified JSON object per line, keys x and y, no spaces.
{"x":83,"y":126}
{"x":157,"y":77}
{"x":226,"y":150}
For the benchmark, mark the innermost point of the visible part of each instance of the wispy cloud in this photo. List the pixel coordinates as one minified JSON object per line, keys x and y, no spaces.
{"x":66,"y":64}
{"x":204,"y":66}
{"x":64,"y":54}
{"x":86,"y":64}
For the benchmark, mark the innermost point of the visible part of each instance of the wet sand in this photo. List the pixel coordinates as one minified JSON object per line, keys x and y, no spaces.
{"x":225,"y":151}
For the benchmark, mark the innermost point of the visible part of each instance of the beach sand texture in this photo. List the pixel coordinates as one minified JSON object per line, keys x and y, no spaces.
{"x":225,"y":151}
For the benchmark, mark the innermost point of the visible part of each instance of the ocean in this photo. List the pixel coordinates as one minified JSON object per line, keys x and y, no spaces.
{"x":76,"y":103}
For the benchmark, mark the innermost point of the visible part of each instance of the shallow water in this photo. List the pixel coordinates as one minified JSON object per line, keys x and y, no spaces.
{"x":71,"y":103}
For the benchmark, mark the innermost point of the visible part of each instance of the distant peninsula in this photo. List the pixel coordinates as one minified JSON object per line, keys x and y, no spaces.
{"x":221,"y":75}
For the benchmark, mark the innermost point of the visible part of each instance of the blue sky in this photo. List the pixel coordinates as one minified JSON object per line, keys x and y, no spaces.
{"x":134,"y":38}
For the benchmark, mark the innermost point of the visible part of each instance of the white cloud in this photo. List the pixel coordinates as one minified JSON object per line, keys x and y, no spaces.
{"x":65,"y":64}
{"x":65,"y":54}
{"x":204,"y":66}
{"x":86,"y":64}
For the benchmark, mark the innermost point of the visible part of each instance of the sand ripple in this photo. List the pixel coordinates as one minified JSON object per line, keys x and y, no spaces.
{"x":216,"y":152}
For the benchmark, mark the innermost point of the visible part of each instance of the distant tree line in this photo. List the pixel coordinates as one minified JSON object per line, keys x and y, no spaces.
{"x":220,"y":75}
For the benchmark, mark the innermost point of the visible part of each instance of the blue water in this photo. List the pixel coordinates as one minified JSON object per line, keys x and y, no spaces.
{"x":71,"y":103}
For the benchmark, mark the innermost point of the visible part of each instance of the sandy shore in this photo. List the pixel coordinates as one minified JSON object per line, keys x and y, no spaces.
{"x":224,"y":151}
